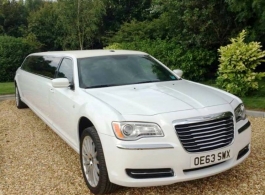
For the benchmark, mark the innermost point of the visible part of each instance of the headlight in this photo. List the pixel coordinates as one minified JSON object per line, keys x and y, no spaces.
{"x":240,"y":112}
{"x":135,"y":130}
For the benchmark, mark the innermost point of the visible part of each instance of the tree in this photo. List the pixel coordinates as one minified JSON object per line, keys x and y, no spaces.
{"x":191,"y":23}
{"x":205,"y":23}
{"x":250,"y":14}
{"x":119,"y":12}
{"x":80,"y":19}
{"x":13,"y":18}
{"x":142,"y":30}
{"x":45,"y":25}
{"x":33,"y":5}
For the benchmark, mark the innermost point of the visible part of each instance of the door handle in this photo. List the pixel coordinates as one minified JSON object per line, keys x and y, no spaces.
{"x":51,"y":90}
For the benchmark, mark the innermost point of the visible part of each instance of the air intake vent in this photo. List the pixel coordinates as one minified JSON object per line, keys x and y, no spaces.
{"x":242,"y":152}
{"x":149,"y":173}
{"x":205,"y":134}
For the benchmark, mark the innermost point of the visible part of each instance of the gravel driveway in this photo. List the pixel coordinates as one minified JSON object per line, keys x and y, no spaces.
{"x":34,"y":160}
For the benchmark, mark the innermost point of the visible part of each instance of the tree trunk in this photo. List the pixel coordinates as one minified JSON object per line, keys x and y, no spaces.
{"x":78,"y":25}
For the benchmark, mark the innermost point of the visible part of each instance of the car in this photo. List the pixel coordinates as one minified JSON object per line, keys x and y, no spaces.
{"x":134,"y":122}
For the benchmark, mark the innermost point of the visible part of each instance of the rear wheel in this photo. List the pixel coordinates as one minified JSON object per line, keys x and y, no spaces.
{"x":19,"y":102}
{"x":93,"y":163}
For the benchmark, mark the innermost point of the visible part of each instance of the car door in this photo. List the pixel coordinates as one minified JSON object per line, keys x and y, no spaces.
{"x":34,"y":82}
{"x":62,"y":103}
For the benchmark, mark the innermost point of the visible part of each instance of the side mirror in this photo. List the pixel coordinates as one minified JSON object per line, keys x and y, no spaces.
{"x":60,"y":83}
{"x":178,"y":72}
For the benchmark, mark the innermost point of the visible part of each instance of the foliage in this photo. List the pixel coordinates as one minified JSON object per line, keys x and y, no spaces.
{"x":116,"y":46}
{"x":31,"y":39}
{"x":189,"y":22}
{"x":33,"y":5}
{"x":250,"y":14}
{"x":13,"y":18}
{"x":195,"y":62}
{"x":45,"y":26}
{"x":80,"y":19}
{"x":136,"y":30}
{"x":12,"y":52}
{"x":238,"y":61}
{"x":120,"y":12}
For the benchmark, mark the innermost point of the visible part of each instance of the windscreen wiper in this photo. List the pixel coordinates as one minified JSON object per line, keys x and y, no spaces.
{"x":147,"y":81}
{"x":99,"y":86}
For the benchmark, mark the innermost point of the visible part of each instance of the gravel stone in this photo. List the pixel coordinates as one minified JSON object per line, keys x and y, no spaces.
{"x":34,"y":160}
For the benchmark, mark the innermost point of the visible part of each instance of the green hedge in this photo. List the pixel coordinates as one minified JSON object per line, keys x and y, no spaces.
{"x":195,"y":62}
{"x":12,"y":53}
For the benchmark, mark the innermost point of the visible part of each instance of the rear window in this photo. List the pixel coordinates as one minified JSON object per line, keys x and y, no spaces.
{"x":41,"y":65}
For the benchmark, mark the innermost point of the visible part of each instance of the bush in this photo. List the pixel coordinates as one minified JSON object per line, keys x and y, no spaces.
{"x":136,"y":30}
{"x":12,"y":53}
{"x":238,"y":61}
{"x":195,"y":62}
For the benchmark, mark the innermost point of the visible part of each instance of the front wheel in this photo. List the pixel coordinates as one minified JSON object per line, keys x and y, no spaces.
{"x":93,"y":163}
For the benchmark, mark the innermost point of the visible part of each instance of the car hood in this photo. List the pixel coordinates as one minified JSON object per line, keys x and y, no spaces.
{"x":156,"y":98}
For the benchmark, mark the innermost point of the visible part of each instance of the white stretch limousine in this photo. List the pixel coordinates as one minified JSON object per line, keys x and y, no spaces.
{"x":133,"y":121}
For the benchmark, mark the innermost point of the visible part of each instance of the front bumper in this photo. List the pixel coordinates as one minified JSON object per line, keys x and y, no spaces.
{"x":168,"y":154}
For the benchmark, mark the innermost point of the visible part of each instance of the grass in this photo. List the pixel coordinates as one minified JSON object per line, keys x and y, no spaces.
{"x":7,"y":88}
{"x":254,"y":101}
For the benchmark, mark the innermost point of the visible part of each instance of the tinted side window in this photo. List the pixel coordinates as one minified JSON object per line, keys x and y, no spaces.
{"x":41,"y":65}
{"x":27,"y":63}
{"x":66,"y":70}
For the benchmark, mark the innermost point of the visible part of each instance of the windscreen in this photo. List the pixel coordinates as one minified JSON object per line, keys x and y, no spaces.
{"x":105,"y":71}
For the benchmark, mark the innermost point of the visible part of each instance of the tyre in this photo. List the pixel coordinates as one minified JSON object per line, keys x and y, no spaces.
{"x":93,"y":163}
{"x":19,"y":102}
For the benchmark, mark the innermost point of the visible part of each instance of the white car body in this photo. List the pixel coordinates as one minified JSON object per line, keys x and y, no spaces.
{"x":165,"y":104}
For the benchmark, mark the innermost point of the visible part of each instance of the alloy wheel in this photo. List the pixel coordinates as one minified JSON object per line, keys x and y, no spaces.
{"x":90,"y":161}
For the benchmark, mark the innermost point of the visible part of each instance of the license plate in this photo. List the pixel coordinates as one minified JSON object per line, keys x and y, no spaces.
{"x":210,"y":158}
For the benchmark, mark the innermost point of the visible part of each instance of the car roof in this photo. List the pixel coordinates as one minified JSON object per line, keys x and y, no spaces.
{"x":89,"y":53}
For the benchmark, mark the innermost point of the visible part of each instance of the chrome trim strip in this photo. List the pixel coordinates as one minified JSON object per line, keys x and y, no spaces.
{"x":207,"y":124}
{"x":199,"y":137}
{"x":203,"y":132}
{"x":144,"y":146}
{"x":208,"y":147}
{"x":203,"y":140}
{"x":202,"y":118}
{"x":202,"y":144}
{"x":151,"y":173}
{"x":211,"y":127}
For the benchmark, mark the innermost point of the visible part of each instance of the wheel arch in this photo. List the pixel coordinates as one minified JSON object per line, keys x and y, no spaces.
{"x":15,"y":83}
{"x":83,"y":123}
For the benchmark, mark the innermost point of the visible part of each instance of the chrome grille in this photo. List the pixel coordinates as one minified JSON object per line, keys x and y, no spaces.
{"x":206,"y":133}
